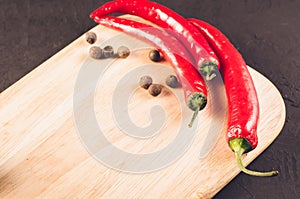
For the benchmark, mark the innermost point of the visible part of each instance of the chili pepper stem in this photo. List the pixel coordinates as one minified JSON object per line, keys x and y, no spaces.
{"x":209,"y":70}
{"x":194,"y":117}
{"x":196,"y":102}
{"x":241,"y":146}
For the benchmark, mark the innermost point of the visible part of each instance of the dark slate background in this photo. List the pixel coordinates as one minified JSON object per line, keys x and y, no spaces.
{"x":265,"y":32}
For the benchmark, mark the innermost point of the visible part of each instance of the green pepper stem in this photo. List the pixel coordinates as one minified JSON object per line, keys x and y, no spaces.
{"x":194,"y":117}
{"x":240,"y":146}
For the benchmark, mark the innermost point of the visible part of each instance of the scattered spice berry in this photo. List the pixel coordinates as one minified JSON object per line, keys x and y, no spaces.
{"x":145,"y":81}
{"x":155,"y":55}
{"x":95,"y":52}
{"x":172,"y":81}
{"x":155,"y":89}
{"x":108,"y":51}
{"x":90,"y":37}
{"x":123,"y":52}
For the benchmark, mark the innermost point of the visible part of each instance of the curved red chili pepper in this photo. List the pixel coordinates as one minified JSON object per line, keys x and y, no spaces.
{"x":206,"y":60}
{"x":192,"y":82}
{"x":243,"y":106}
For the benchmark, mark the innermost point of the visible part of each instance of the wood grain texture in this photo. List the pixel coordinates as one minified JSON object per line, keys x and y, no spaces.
{"x":42,"y":155}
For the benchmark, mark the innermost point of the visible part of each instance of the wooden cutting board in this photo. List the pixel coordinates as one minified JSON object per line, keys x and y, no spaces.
{"x":81,"y":128}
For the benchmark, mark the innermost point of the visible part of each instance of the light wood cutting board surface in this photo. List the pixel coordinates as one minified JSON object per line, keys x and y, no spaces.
{"x":49,"y":148}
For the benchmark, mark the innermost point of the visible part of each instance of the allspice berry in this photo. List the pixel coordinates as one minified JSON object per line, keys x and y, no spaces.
{"x":154,"y":55}
{"x":123,"y":52}
{"x":145,"y":81}
{"x":155,"y":89}
{"x":108,"y":52}
{"x":90,"y":37}
{"x":95,"y":52}
{"x":172,"y":81}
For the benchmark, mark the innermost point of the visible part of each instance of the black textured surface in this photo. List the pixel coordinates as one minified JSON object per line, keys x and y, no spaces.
{"x":265,"y":32}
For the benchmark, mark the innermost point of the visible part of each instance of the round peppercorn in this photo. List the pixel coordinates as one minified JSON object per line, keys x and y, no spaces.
{"x":123,"y":52}
{"x":155,"y":89}
{"x":145,"y":81}
{"x":90,"y":37}
{"x":108,"y":51}
{"x":172,"y":81}
{"x":95,"y":52}
{"x":155,"y":56}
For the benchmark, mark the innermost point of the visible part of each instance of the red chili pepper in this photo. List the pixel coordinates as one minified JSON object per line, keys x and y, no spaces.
{"x":243,"y":106}
{"x":206,"y":60}
{"x":192,"y":82}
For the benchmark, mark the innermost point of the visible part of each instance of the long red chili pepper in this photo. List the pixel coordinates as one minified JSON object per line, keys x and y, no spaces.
{"x":206,"y":60}
{"x":243,"y":106}
{"x":192,"y":82}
